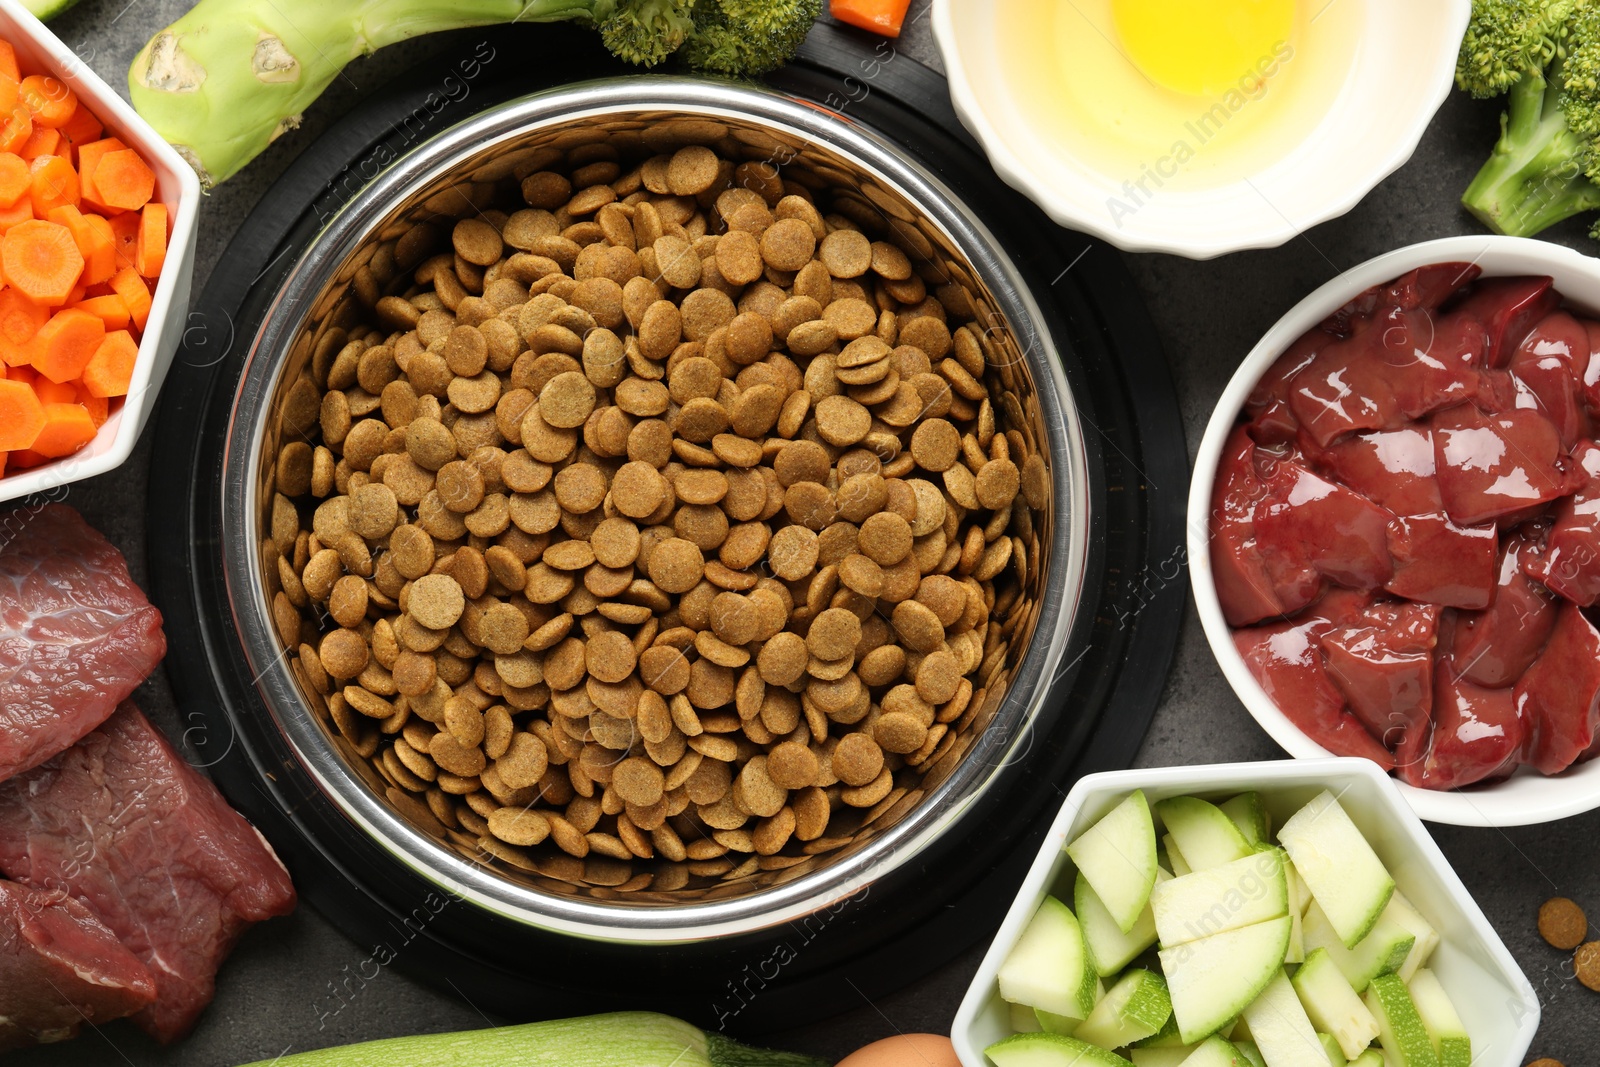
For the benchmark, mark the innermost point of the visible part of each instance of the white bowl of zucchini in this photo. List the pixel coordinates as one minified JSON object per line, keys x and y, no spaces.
{"x":1283,"y":914}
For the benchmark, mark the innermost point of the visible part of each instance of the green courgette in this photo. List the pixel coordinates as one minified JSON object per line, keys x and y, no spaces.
{"x":45,"y":10}
{"x":620,"y":1039}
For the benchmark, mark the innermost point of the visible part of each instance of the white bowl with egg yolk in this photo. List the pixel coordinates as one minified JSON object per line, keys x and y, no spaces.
{"x":1125,"y":118}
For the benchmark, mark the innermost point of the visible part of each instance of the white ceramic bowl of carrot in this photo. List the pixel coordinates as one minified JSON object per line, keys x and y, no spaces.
{"x":83,"y":348}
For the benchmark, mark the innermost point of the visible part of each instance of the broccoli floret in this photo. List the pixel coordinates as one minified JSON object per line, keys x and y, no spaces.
{"x":643,"y":32}
{"x":1545,"y":55}
{"x":746,"y":38}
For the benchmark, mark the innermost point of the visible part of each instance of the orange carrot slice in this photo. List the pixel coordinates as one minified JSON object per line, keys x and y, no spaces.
{"x":8,"y":61}
{"x":16,"y":129}
{"x":125,"y":238}
{"x":110,"y":309}
{"x":883,"y":17}
{"x":89,"y":156}
{"x":15,"y":178}
{"x":20,"y":319}
{"x":151,"y":251}
{"x":43,"y":141}
{"x":41,"y":260}
{"x":100,"y":259}
{"x":110,"y":370}
{"x":49,"y":101}
{"x":53,"y":183}
{"x":99,"y":407}
{"x":80,"y":129}
{"x":50,"y":392}
{"x":21,"y":416}
{"x":65,"y":344}
{"x":128,"y":285}
{"x":67,"y":428}
{"x":123,"y":180}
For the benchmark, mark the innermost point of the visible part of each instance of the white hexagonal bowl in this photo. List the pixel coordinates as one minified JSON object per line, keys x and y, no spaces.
{"x":177,"y":187}
{"x":1484,"y":982}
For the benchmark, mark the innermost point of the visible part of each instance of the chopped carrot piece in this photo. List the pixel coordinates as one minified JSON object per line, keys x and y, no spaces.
{"x":89,"y":155}
{"x":884,"y":17}
{"x":94,"y":241}
{"x":53,"y":183}
{"x":48,"y":100}
{"x":110,"y":370}
{"x":125,"y":239}
{"x":99,"y":407}
{"x":16,"y":129}
{"x":75,"y":297}
{"x":50,"y":392}
{"x":15,"y":179}
{"x":133,"y":291}
{"x":3,"y":456}
{"x":151,"y":251}
{"x":67,"y":428}
{"x":41,"y":260}
{"x":110,"y":309}
{"x":21,"y":416}
{"x":26,"y":375}
{"x":27,"y":458}
{"x":80,"y":129}
{"x":8,"y":61}
{"x":43,"y":141}
{"x":21,"y":211}
{"x":10,"y":91}
{"x":124,"y":180}
{"x":20,"y":319}
{"x":65,"y":344}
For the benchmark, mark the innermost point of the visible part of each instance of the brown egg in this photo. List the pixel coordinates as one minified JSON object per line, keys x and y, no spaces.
{"x":905,"y":1050}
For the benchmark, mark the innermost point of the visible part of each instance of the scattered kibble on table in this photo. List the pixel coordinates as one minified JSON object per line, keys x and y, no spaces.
{"x":1562,"y":923}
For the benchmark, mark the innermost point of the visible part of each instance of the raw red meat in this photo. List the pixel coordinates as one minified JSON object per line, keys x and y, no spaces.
{"x":1491,"y":648}
{"x":1392,"y":468}
{"x":1438,"y":562}
{"x":1243,"y":585}
{"x":1508,"y":309}
{"x":1569,"y":564}
{"x":1308,"y":524}
{"x":135,"y":833}
{"x":1477,"y":736}
{"x":76,"y":635}
{"x":1550,"y":362}
{"x":1497,"y":466}
{"x":1559,"y":696}
{"x":60,"y":968}
{"x":1286,"y":660}
{"x":1382,"y":662}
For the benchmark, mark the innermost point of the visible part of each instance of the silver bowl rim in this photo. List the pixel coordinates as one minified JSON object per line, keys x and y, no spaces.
{"x":833,"y":882}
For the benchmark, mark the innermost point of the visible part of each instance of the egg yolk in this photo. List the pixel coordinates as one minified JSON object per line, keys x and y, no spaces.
{"x":1201,"y":47}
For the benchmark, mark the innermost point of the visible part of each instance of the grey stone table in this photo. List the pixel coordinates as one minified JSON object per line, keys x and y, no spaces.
{"x":271,"y":996}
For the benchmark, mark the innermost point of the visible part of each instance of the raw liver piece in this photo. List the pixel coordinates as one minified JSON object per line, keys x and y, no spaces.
{"x":1392,"y":468}
{"x":1426,"y":287}
{"x":1508,"y":309}
{"x":1559,"y":696}
{"x":170,"y":868}
{"x":1383,"y":664}
{"x":1308,"y":523}
{"x":1550,"y":361}
{"x":1569,"y":564}
{"x":1497,"y":466}
{"x":1272,"y":421}
{"x":1477,"y":735}
{"x":1491,"y":648}
{"x":60,"y":967}
{"x":1438,"y":562}
{"x":1286,"y":659}
{"x":76,"y":635}
{"x":1243,"y":585}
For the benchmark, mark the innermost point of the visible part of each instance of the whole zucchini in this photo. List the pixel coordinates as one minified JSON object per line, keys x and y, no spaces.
{"x":619,"y":1039}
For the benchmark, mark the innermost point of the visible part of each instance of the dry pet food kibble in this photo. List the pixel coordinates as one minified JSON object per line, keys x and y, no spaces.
{"x":1562,"y":923}
{"x":654,"y":525}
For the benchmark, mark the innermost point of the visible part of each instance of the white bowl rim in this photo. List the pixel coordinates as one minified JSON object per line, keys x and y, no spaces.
{"x":99,"y":457}
{"x":1484,"y":807}
{"x":1269,"y":230}
{"x":1266,"y":776}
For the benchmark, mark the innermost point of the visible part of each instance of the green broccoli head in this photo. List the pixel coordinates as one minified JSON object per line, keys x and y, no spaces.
{"x":1509,"y":39}
{"x":644,"y":32}
{"x":746,"y":38}
{"x":1579,"y":81}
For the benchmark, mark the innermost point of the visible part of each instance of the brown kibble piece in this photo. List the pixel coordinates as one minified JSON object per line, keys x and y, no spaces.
{"x":676,"y":565}
{"x":610,"y":657}
{"x":1562,"y":923}
{"x":857,"y":760}
{"x":834,"y":634}
{"x":1586,"y":963}
{"x":436,"y":601}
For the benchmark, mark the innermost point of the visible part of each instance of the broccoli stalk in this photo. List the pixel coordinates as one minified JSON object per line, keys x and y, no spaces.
{"x":230,"y":76}
{"x":1544,"y":54}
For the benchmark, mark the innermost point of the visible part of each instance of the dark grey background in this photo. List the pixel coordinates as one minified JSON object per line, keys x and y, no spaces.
{"x":274,"y":991}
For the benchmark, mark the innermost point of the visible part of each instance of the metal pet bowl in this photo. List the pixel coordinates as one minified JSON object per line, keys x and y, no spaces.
{"x":849,"y":169}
